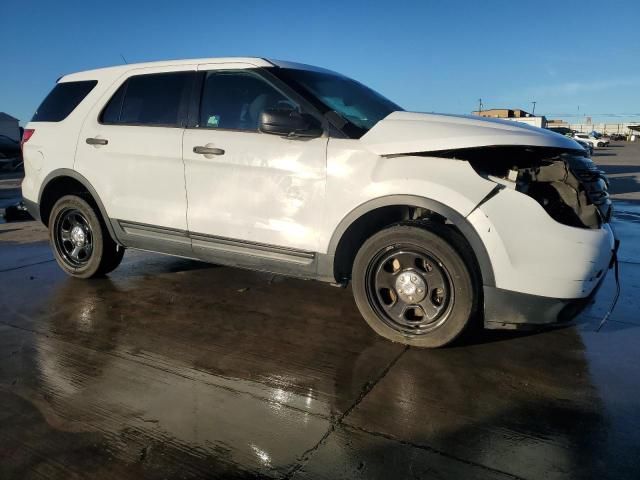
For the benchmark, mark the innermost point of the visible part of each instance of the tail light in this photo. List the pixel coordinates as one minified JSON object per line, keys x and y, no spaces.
{"x":27,"y":134}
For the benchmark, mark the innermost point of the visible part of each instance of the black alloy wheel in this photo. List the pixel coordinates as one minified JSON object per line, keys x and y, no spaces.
{"x":80,"y":239}
{"x":416,"y":283}
{"x":73,"y":237}
{"x":410,"y":289}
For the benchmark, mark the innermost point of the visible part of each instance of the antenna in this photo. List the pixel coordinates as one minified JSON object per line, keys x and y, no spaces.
{"x":479,"y":106}
{"x":124,"y":59}
{"x":533,"y":112}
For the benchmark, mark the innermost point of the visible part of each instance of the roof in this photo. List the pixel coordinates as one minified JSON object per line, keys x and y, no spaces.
{"x":5,"y":117}
{"x":256,"y":62}
{"x":119,"y":69}
{"x":299,"y":66}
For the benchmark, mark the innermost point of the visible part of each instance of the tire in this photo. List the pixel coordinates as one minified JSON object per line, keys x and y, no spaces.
{"x":600,"y":144}
{"x":433,"y":302}
{"x":80,"y":240}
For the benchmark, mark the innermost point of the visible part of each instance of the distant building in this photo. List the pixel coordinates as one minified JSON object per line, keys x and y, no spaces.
{"x":9,"y":126}
{"x":513,"y":114}
{"x":503,"y":113}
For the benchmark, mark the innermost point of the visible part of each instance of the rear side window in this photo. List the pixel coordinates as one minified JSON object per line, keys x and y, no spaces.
{"x":62,"y":100}
{"x":158,"y":99}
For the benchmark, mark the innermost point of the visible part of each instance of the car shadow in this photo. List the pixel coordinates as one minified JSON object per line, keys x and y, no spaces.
{"x":618,"y":185}
{"x":614,"y":169}
{"x":622,"y":178}
{"x":476,"y":335}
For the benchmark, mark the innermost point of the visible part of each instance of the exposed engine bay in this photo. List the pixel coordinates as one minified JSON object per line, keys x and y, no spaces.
{"x":569,"y":186}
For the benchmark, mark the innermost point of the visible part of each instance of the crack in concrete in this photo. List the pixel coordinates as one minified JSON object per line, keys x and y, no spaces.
{"x":306,"y":456}
{"x":26,"y":266}
{"x":430,"y":449}
{"x":339,"y":421}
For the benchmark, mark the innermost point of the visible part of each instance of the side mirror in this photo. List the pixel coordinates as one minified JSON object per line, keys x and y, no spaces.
{"x":289,"y":123}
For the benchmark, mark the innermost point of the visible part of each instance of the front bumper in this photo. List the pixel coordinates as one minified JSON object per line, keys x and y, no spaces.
{"x":532,"y":253}
{"x":509,"y":310}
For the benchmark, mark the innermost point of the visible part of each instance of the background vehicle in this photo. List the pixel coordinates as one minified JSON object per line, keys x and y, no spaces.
{"x":437,"y":220}
{"x":593,"y":141}
{"x":9,"y":152}
{"x":596,"y":134}
{"x":601,"y":138}
{"x":567,"y":132}
{"x":562,"y":130}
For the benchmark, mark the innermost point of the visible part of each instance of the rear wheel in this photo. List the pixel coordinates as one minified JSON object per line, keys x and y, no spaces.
{"x":412,"y":285}
{"x":81,"y":242}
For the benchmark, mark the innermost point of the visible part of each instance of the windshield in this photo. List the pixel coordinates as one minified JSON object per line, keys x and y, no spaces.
{"x":355,"y":103}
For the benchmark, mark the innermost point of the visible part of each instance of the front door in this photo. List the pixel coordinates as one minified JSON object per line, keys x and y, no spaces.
{"x":244,"y":187}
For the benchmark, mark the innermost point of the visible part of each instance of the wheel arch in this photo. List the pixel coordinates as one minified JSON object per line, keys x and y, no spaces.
{"x":381,"y":212}
{"x":54,"y":186}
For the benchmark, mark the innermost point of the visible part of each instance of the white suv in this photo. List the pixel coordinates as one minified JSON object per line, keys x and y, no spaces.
{"x":438,"y":220}
{"x":592,"y":140}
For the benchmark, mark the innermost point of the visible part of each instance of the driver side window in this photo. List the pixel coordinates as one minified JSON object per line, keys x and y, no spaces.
{"x":235,"y":100}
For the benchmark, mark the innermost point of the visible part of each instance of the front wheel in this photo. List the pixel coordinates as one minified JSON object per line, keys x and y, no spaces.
{"x":81,"y":242}
{"x":412,"y":285}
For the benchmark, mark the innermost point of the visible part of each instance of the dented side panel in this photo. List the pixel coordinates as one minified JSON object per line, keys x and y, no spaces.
{"x":355,"y":177}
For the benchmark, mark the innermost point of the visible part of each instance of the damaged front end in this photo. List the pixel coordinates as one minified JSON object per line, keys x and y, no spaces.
{"x":545,"y":275}
{"x":544,"y":226}
{"x":568,"y":185}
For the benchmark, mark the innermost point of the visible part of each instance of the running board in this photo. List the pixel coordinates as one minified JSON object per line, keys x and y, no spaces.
{"x":214,"y":249}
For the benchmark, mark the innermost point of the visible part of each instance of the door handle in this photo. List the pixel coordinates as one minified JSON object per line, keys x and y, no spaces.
{"x":203,"y":150}
{"x":97,"y":141}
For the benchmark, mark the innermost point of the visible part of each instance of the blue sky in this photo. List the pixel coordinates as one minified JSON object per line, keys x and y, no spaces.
{"x":570,"y":57}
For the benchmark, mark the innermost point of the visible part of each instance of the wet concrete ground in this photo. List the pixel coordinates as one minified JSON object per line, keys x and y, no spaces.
{"x":176,"y":369}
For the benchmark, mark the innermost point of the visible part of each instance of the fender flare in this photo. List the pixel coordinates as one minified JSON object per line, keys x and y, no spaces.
{"x":67,"y":172}
{"x":457,"y":219}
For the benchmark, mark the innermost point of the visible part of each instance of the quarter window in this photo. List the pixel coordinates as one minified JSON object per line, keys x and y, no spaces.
{"x":235,"y":100}
{"x":62,"y":100}
{"x":158,"y":99}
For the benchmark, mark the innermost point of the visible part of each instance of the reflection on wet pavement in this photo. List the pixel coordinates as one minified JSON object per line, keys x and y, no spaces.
{"x":170,"y":368}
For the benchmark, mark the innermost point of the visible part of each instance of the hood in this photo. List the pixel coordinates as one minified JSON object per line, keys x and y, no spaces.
{"x":407,"y":132}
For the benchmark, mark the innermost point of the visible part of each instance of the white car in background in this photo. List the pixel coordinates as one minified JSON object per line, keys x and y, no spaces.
{"x":437,"y":220}
{"x":595,"y":142}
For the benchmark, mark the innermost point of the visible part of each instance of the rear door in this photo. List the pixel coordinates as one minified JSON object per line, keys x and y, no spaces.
{"x":130,"y":150}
